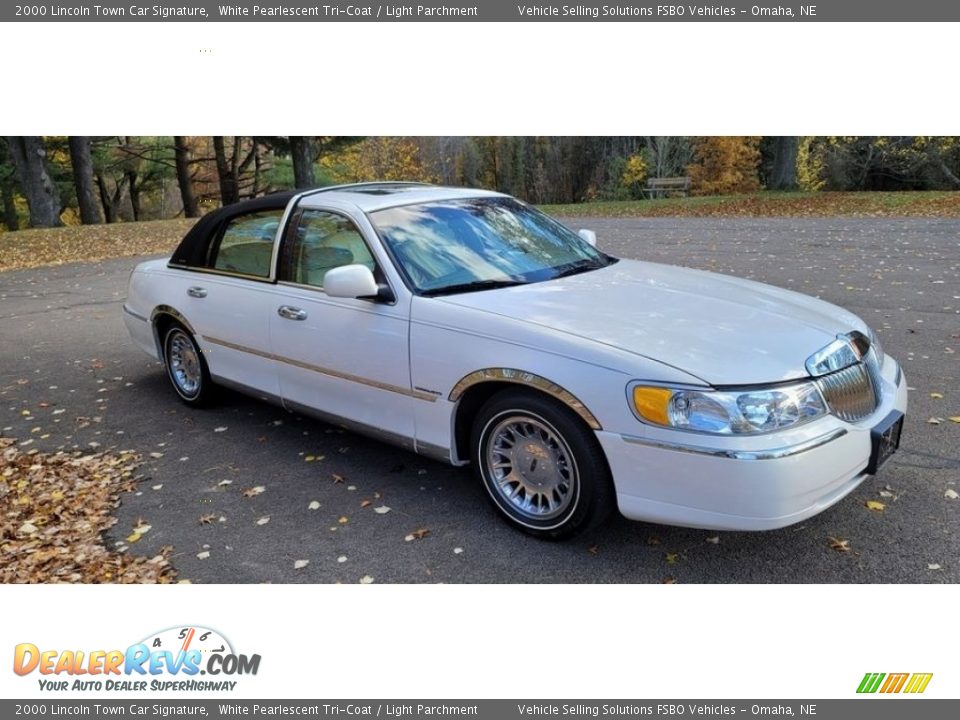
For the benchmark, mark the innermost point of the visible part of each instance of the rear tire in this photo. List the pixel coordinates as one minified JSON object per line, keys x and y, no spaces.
{"x":542,"y":467}
{"x":186,"y":366}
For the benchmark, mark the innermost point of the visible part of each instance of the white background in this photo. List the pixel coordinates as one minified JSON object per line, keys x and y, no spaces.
{"x":488,"y":79}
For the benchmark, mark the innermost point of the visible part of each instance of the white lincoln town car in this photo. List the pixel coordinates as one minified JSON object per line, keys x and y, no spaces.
{"x":469,"y":327}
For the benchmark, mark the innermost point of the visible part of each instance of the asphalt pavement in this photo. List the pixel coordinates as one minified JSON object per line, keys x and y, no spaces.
{"x":70,"y":378}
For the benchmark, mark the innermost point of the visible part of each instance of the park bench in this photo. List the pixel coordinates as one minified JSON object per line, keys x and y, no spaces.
{"x":664,"y":187}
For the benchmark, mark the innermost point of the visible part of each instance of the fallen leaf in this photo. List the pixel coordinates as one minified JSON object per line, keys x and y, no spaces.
{"x":342,"y":559}
{"x":653,"y":540}
{"x":366,"y":580}
{"x":874,"y":505}
{"x":419,"y":533}
{"x":669,"y":580}
{"x":300,"y":564}
{"x":264,"y":520}
{"x":672,"y":558}
{"x":203,"y":555}
{"x":936,"y":395}
{"x":593,"y":550}
{"x":134,"y":537}
{"x":715,"y":540}
{"x":954,"y":418}
{"x":156,"y":455}
{"x":208,"y":518}
{"x":253,"y":491}
{"x":224,"y":483}
{"x":220,"y":429}
{"x":343,"y":519}
{"x":337,"y":478}
{"x":314,"y":505}
{"x":950,"y":494}
{"x":934,"y":566}
{"x":381,"y":510}
{"x":28,"y":529}
{"x":457,"y":550}
{"x":839,"y":545}
{"x":934,"y":421}
{"x":365,"y":503}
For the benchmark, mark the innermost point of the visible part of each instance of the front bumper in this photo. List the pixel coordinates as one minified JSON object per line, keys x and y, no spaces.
{"x":746,"y":483}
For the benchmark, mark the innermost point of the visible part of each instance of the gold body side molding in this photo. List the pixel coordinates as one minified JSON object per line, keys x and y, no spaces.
{"x":521,"y":377}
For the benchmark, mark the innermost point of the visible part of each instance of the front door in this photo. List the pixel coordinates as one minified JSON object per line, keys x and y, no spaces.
{"x":342,"y":358}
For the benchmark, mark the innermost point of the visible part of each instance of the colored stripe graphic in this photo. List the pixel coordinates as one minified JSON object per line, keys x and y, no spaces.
{"x":918,"y":683}
{"x":870,"y":682}
{"x":895,"y":683}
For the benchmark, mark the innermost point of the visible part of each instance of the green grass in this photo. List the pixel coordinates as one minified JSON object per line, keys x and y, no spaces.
{"x":776,"y":204}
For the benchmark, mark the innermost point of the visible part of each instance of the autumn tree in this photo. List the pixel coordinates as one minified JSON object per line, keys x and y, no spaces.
{"x":379,"y":158}
{"x":725,"y":164}
{"x":181,"y":155}
{"x":781,"y":165}
{"x":878,"y":163}
{"x":81,"y":162}
{"x":8,"y":188}
{"x":30,"y":162}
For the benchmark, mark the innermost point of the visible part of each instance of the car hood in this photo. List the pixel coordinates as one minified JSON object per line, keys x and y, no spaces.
{"x":723,"y":330}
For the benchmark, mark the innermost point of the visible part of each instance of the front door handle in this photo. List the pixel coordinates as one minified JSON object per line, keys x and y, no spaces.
{"x":197,"y":292}
{"x":291,"y":313}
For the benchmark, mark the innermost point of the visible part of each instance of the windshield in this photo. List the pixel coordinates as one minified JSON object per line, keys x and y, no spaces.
{"x":481,"y":243}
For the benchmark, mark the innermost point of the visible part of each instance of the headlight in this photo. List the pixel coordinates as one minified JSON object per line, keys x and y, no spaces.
{"x":729,"y":412}
{"x":875,"y":344}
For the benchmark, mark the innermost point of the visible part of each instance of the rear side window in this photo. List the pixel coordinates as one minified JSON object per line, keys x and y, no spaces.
{"x":246,"y":246}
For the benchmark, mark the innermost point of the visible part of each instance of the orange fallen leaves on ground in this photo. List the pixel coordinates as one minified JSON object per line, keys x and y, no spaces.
{"x":55,"y":508}
{"x":56,"y":246}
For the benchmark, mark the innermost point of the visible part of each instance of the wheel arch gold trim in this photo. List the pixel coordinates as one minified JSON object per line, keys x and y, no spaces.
{"x":527,"y":379}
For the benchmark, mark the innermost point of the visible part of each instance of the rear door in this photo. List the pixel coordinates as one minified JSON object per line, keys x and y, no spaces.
{"x":341,"y":358}
{"x":229,"y":302}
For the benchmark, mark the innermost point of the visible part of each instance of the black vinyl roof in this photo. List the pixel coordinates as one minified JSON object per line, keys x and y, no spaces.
{"x":193,"y":249}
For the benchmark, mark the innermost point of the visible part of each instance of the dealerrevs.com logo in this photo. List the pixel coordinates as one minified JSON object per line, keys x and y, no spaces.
{"x":911,"y":683}
{"x":171,"y":659}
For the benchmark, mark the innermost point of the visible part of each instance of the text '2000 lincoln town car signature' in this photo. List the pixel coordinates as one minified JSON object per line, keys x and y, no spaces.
{"x":469,"y":327}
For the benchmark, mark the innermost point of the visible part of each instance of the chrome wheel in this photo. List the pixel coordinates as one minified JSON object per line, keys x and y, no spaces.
{"x":531,"y":469}
{"x":183,"y":361}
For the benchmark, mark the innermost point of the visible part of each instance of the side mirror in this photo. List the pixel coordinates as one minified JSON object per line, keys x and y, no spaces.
{"x":590,"y":236}
{"x":350,"y":281}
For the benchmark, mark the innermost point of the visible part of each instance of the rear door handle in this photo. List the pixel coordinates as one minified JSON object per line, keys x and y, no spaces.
{"x":197,"y":292}
{"x":291,"y":313}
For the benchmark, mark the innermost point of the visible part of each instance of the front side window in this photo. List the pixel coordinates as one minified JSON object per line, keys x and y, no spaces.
{"x":322,"y":241}
{"x":463,"y":245}
{"x":246,"y":246}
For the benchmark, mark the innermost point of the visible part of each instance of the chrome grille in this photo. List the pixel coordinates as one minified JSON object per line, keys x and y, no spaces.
{"x":850,"y":393}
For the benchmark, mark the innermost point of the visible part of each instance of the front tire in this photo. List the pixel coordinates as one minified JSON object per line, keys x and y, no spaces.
{"x":542,"y":467}
{"x":186,"y":366}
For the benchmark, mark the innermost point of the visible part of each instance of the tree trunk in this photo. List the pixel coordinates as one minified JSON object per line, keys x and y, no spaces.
{"x":182,"y":160}
{"x":82,"y":164}
{"x":134,"y":194}
{"x":302,"y":153}
{"x":10,"y":217}
{"x":30,"y":161}
{"x":783,"y":174}
{"x":229,"y":192}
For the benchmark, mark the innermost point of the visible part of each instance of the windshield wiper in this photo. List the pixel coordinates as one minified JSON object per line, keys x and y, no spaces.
{"x":471,"y":286}
{"x":578,"y":266}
